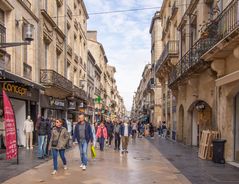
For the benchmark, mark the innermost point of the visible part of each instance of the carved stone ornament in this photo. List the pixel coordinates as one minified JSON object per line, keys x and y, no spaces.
{"x":218,"y":66}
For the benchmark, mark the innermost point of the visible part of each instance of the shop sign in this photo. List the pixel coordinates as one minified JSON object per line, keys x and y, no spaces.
{"x":72,"y":105}
{"x":13,"y":88}
{"x":10,"y":128}
{"x":56,"y":102}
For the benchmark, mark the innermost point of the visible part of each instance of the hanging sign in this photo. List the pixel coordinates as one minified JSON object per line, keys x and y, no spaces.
{"x":10,"y":128}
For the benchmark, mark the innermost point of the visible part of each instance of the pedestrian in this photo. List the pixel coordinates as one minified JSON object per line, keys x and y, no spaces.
{"x":49,"y":123}
{"x":83,"y":135}
{"x":93,"y":133}
{"x":58,"y":142}
{"x":125,"y":132}
{"x":117,"y":135}
{"x":101,"y":134}
{"x":134,"y":131}
{"x":151,"y":130}
{"x":42,"y":138}
{"x":110,"y":129}
{"x":164,"y":129}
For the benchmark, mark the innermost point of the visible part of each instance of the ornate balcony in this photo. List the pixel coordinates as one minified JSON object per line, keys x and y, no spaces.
{"x":57,"y":85}
{"x":27,"y":71}
{"x":79,"y":93}
{"x":170,"y":51}
{"x":224,"y":30}
{"x":191,"y":62}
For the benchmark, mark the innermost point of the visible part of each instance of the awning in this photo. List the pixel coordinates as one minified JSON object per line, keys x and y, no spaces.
{"x":8,"y":75}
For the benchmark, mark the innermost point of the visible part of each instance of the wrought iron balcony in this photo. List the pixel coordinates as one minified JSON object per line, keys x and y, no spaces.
{"x":170,"y":50}
{"x":2,"y":34}
{"x":226,"y":25}
{"x":52,"y":78}
{"x":191,"y":61}
{"x":59,"y":3}
{"x":27,"y":71}
{"x":79,"y":93}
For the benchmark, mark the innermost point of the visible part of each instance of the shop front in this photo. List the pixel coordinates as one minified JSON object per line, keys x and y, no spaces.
{"x":53,"y":107}
{"x":24,"y":96}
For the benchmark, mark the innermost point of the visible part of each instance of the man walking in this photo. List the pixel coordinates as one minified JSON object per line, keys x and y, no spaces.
{"x":110,"y":128}
{"x":83,"y":135}
{"x":125,"y":132}
{"x":117,"y":135}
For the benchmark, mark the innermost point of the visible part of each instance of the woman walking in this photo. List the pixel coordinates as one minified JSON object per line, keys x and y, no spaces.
{"x":101,"y":134}
{"x":58,"y":142}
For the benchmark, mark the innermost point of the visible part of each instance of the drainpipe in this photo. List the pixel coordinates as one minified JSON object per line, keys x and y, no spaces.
{"x":65,"y":45}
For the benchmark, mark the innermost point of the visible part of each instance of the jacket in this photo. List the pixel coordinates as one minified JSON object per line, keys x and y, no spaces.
{"x":122,"y":129}
{"x":43,"y":127}
{"x":63,"y":139}
{"x":88,"y":133}
{"x":110,"y":127}
{"x":98,"y":133}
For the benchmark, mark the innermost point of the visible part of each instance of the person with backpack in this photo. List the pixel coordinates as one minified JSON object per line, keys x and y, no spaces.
{"x":101,"y":134}
{"x":164,"y":129}
{"x":57,"y":144}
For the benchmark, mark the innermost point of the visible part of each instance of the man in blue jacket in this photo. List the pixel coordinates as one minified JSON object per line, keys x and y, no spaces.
{"x":125,"y":132}
{"x":83,"y":135}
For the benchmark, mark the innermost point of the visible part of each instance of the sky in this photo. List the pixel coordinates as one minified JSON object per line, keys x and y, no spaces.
{"x":125,"y":38}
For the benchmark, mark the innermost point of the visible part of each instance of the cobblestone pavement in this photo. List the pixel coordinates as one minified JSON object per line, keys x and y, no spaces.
{"x":144,"y":164}
{"x":198,"y":171}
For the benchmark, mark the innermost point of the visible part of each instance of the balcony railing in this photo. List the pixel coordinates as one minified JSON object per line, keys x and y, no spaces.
{"x":190,"y":60}
{"x":226,"y":23}
{"x":171,"y":49}
{"x":52,"y":78}
{"x":27,"y":71}
{"x":2,"y":34}
{"x":79,"y":93}
{"x":59,"y":3}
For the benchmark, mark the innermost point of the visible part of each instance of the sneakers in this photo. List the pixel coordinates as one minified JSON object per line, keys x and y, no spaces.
{"x":54,"y":172}
{"x":65,"y":167}
{"x":83,"y":167}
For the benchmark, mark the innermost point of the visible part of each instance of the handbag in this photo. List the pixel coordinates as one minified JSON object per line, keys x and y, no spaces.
{"x":54,"y":143}
{"x":93,"y":152}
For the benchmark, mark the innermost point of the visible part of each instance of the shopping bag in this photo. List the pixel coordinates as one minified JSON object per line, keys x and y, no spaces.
{"x":93,"y":153}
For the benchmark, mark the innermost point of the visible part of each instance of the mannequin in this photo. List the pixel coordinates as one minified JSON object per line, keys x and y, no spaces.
{"x":28,"y":130}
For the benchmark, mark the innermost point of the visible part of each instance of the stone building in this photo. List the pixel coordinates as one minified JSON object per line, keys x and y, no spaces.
{"x":19,"y":61}
{"x":201,"y":70}
{"x":63,"y":27}
{"x":156,"y":50}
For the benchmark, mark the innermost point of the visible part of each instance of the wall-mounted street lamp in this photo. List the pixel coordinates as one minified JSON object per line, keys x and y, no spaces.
{"x":27,"y":37}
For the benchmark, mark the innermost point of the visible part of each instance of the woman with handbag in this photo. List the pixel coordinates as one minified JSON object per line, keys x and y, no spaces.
{"x":58,"y":142}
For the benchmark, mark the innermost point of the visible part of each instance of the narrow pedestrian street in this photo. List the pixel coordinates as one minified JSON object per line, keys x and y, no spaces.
{"x":143,"y":164}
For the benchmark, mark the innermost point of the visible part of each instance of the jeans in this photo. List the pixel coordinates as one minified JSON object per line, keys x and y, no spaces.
{"x":55,"y":155}
{"x":83,"y":151}
{"x":42,"y":139}
{"x":102,"y":142}
{"x":117,"y":141}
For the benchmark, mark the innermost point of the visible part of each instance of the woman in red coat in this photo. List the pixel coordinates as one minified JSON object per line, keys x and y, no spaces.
{"x":101,"y":134}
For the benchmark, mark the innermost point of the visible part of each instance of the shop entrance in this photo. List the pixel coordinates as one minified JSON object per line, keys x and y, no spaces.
{"x":19,"y":107}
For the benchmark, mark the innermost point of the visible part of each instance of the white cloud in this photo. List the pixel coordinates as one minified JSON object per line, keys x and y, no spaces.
{"x":126,"y":39}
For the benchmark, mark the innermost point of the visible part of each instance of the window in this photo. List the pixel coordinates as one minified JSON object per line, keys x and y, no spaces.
{"x":2,"y":17}
{"x":68,"y":71}
{"x":57,"y":63}
{"x":46,"y":54}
